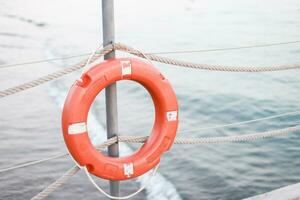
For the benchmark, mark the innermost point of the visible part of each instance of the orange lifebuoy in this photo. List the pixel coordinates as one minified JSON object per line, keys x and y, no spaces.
{"x":78,"y":103}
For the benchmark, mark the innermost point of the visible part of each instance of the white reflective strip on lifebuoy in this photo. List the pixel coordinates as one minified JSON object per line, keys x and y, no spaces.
{"x":172,"y":115}
{"x":77,"y":128}
{"x":128,"y":169}
{"x":126,"y":67}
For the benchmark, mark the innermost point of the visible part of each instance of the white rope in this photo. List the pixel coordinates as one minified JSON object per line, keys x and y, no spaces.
{"x":178,"y":140}
{"x":55,"y":75}
{"x":91,"y":56}
{"x":170,"y":61}
{"x":211,"y":140}
{"x":41,"y":61}
{"x":219,"y":140}
{"x":58,"y":183}
{"x":122,"y":47}
{"x":141,"y":139}
{"x":238,"y":124}
{"x":35,"y":162}
{"x":63,"y":179}
{"x":238,"y":138}
{"x":154,"y":52}
{"x":143,"y":186}
{"x":224,"y":49}
{"x":32,"y":163}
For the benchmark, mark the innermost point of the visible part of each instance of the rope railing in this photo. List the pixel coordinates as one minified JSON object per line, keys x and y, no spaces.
{"x":153,"y":57}
{"x":218,"y":140}
{"x":141,"y":139}
{"x":224,"y":49}
{"x":30,"y":62}
{"x":31,"y":163}
{"x":238,"y":124}
{"x":55,"y":75}
{"x":178,"y":140}
{"x":64,"y":178}
{"x":56,"y":184}
{"x":35,"y":162}
{"x":170,"y":61}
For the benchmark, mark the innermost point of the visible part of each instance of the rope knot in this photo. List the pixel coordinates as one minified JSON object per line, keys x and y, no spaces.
{"x":113,"y":46}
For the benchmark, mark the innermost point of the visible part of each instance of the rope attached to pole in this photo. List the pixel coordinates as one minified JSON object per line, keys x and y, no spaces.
{"x":30,"y":62}
{"x":219,"y":140}
{"x":141,"y":139}
{"x":178,"y":140}
{"x":153,"y":57}
{"x":170,"y":61}
{"x":55,"y":75}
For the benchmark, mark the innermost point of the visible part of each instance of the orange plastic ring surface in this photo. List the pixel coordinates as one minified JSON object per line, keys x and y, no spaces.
{"x":82,"y":95}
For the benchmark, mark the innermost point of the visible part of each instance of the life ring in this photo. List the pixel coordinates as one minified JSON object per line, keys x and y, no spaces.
{"x":82,"y":95}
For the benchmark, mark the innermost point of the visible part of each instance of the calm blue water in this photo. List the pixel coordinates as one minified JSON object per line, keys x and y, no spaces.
{"x":30,"y":122}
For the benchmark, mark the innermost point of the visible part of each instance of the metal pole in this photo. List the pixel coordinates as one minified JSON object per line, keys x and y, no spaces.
{"x":110,"y":91}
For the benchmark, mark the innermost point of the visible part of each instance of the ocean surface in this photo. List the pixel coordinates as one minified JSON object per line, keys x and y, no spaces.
{"x":30,"y":121}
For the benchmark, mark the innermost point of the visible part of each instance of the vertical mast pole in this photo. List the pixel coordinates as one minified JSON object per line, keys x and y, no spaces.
{"x":111,"y":90}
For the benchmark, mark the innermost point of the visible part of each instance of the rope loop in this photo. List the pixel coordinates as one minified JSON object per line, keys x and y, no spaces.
{"x":143,"y":185}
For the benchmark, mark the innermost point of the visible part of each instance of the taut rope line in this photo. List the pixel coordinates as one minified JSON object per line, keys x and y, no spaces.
{"x":238,"y":124}
{"x":224,"y":49}
{"x":9,"y":65}
{"x":41,"y":61}
{"x":153,"y":57}
{"x":170,"y":61}
{"x":140,"y":139}
{"x":59,"y":182}
{"x":55,"y":75}
{"x":178,"y":140}
{"x":219,"y":140}
{"x":64,"y":178}
{"x":35,"y":162}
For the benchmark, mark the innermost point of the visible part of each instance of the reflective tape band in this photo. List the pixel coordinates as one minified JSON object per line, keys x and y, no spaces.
{"x":77,"y":128}
{"x":126,"y":67}
{"x":172,"y":115}
{"x":128,"y":169}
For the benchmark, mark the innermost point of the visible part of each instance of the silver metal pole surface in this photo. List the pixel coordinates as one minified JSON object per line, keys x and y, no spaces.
{"x":110,"y":91}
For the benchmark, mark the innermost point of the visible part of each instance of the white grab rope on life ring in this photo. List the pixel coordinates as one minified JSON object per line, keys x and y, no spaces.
{"x":144,"y":185}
